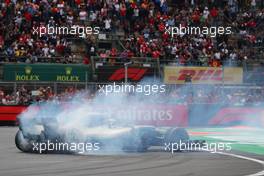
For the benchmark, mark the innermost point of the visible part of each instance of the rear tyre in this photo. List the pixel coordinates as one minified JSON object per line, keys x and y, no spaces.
{"x":22,"y":143}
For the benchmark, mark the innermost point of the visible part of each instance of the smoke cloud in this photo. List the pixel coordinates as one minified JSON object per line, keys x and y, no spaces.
{"x":81,"y":116}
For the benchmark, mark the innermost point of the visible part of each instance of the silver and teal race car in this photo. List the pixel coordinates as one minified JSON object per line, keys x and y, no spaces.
{"x":100,"y":132}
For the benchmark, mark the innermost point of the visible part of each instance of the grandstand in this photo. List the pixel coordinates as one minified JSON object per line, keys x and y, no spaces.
{"x":36,"y":68}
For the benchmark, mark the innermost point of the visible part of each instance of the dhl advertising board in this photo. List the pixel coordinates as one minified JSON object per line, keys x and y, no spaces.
{"x":203,"y":75}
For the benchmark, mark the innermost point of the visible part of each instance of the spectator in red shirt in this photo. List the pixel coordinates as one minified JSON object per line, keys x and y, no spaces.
{"x":86,"y":60}
{"x":1,"y":41}
{"x":196,"y":16}
{"x":156,"y":54}
{"x":214,"y":12}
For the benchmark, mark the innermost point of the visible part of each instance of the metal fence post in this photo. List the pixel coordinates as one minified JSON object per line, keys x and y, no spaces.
{"x":86,"y":80}
{"x":15,"y":87}
{"x":55,"y":88}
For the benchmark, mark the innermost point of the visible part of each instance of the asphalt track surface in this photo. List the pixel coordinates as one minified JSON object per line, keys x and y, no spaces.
{"x":153,"y":163}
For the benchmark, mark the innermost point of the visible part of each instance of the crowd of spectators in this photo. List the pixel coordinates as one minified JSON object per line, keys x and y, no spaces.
{"x":143,"y":23}
{"x":18,"y":43}
{"x":26,"y":96}
{"x":190,"y":94}
{"x":146,"y":24}
{"x":234,"y":96}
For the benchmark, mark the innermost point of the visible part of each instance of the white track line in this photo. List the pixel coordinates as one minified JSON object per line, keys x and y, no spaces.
{"x":261,"y":173}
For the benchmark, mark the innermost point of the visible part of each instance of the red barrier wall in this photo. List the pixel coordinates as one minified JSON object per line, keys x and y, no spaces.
{"x":166,"y":115}
{"x":158,"y":115}
{"x":243,"y":115}
{"x":10,"y":113}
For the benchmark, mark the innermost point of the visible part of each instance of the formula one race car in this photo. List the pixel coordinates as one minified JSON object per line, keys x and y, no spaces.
{"x":100,"y":132}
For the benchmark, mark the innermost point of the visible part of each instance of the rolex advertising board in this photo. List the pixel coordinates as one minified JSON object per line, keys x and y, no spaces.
{"x":46,"y":72}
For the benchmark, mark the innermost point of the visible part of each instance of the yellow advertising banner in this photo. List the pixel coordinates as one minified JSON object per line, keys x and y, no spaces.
{"x":203,"y":75}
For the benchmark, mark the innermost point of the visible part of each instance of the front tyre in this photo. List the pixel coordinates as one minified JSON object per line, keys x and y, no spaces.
{"x":22,"y":143}
{"x":138,"y":146}
{"x":137,"y":143}
{"x":142,"y":144}
{"x":177,"y":136}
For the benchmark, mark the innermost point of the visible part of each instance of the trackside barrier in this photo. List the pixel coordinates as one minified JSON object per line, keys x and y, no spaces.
{"x":8,"y":114}
{"x":157,"y":115}
{"x":195,"y":115}
{"x":200,"y":115}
